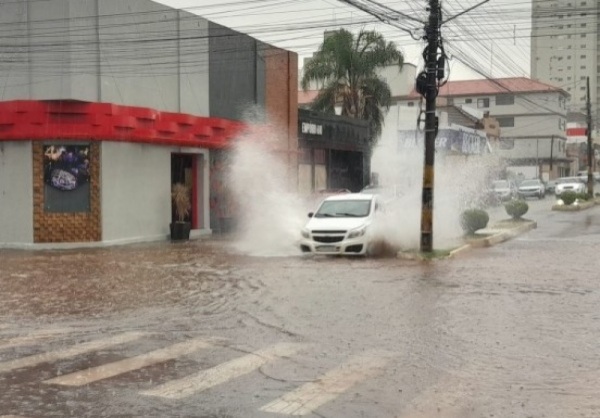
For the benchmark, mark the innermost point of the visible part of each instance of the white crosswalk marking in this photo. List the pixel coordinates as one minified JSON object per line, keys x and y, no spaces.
{"x":33,"y":338}
{"x":105,"y":371}
{"x":307,"y":398}
{"x":217,"y":375}
{"x":78,"y":349}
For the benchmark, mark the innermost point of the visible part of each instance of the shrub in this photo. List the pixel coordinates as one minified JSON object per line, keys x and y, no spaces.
{"x":516,"y":208}
{"x":568,"y":197}
{"x":181,"y":199}
{"x":473,"y":219}
{"x":582,"y":196}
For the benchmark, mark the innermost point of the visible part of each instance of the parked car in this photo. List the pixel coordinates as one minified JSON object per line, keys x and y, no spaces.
{"x":532,"y":188}
{"x":342,"y":225}
{"x":504,"y":189}
{"x":575,"y":184}
{"x":550,"y":186}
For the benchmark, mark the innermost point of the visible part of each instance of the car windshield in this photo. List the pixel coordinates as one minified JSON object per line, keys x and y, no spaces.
{"x":530,"y":183}
{"x":344,"y":208}
{"x":499,"y":184}
{"x":569,"y":180}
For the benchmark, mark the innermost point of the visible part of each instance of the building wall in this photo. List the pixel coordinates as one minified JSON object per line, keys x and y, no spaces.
{"x":136,"y":193}
{"x":16,"y":193}
{"x":131,"y":52}
{"x":564,"y":46}
{"x":234,"y":67}
{"x":66,"y":227}
{"x":281,"y":105}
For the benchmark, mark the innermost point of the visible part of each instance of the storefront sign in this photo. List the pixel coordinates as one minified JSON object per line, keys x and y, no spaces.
{"x":452,"y":140}
{"x":312,"y":128}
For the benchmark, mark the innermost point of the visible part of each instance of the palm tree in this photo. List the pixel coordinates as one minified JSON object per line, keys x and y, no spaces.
{"x":347,"y":66}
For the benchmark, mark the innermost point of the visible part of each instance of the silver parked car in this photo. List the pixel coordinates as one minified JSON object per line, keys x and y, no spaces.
{"x":504,"y":190}
{"x":532,"y":188}
{"x":574,"y":184}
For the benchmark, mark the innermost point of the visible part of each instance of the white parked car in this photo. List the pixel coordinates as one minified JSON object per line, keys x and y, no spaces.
{"x":532,"y":188}
{"x":342,"y":225}
{"x":573,"y":184}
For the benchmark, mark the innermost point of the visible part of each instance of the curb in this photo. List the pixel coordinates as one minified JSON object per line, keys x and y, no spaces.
{"x":574,"y":208}
{"x":496,"y":238}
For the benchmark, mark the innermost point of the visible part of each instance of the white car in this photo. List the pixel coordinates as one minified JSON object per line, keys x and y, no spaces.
{"x":342,"y":225}
{"x":573,"y":184}
{"x":532,"y":188}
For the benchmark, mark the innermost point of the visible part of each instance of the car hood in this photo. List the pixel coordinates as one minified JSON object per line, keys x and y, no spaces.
{"x":336,"y":224}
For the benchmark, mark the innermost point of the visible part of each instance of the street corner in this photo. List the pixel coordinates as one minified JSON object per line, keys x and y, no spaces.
{"x":501,"y":231}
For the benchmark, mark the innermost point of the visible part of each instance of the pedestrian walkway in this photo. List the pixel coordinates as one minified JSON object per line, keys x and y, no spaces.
{"x":303,"y":400}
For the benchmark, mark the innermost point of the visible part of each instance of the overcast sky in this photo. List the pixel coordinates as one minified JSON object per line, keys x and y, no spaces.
{"x":494,"y":38}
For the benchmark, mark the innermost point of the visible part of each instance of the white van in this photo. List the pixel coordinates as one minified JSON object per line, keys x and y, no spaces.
{"x":342,"y":225}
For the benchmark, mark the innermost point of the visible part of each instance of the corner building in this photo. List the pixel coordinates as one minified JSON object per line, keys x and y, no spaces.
{"x":104,"y":104}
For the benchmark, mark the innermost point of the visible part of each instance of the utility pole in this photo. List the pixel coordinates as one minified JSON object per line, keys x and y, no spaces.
{"x":432,"y":34}
{"x":590,"y":152}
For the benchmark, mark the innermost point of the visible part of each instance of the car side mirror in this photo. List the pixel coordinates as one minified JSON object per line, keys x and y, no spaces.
{"x":310,"y":214}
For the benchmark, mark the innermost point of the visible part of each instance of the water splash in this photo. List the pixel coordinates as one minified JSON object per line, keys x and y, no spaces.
{"x":270,"y":212}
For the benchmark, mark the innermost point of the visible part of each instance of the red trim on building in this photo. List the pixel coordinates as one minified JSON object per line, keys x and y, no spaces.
{"x":31,"y":120}
{"x":576,"y":131}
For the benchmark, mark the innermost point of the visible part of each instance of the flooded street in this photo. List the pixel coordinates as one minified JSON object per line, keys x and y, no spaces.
{"x":198,"y":330}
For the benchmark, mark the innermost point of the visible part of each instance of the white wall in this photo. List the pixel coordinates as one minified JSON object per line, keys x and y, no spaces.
{"x":16,"y":193}
{"x":136,"y":191}
{"x":127,"y":52}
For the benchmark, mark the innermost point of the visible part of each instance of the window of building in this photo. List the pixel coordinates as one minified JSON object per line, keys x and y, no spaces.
{"x":583,"y":57}
{"x":583,"y":35}
{"x":506,"y":122}
{"x":483,"y":103}
{"x":410,"y":104}
{"x":583,"y":67}
{"x":584,"y":46}
{"x":505,"y":99}
{"x":468,"y":100}
{"x":583,"y":25}
{"x":582,"y":77}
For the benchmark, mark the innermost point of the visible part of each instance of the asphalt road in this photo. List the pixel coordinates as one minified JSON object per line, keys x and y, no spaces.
{"x":198,"y":330}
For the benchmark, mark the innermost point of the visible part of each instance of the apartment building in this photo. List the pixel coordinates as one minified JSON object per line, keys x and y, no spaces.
{"x":532,"y":117}
{"x":565,"y":48}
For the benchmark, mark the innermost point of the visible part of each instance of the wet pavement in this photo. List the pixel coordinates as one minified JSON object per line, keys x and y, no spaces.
{"x":199,"y":330}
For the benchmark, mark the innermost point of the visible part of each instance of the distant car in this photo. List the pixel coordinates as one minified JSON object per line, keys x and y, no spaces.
{"x":342,"y":225}
{"x":504,"y":190}
{"x":574,"y":184}
{"x":532,"y":188}
{"x":550,"y":186}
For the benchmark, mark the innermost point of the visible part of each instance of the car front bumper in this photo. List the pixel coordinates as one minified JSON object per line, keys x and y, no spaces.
{"x":530,"y":192}
{"x":353,"y":246}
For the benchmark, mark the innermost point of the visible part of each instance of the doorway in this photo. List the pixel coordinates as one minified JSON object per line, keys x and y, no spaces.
{"x":184,"y":169}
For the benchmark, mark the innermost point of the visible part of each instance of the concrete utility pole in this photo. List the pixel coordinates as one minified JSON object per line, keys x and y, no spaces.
{"x":590,"y":152}
{"x":431,"y":122}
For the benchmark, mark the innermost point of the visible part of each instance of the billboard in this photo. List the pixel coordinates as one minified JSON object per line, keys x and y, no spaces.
{"x":448,"y":140}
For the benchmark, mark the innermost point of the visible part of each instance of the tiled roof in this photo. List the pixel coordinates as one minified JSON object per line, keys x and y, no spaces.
{"x":492,"y":86}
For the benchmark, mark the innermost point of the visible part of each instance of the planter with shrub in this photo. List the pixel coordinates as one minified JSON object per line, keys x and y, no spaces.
{"x":473,"y":220}
{"x":180,"y":229}
{"x":516,"y":208}
{"x":568,"y":197}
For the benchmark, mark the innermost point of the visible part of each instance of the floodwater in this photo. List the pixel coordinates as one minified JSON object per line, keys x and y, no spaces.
{"x":507,"y":331}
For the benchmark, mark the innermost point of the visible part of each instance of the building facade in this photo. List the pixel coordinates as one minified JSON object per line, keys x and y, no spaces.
{"x":531,"y":116}
{"x":107,"y":103}
{"x":565,"y":45}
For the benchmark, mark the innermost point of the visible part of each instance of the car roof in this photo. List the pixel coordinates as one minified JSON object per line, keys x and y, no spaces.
{"x":351,"y":196}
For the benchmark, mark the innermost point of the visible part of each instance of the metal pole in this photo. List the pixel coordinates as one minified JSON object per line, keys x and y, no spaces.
{"x":590,"y":154}
{"x":431,"y":123}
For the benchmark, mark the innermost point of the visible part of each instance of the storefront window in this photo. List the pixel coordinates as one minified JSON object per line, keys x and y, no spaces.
{"x":66,"y":178}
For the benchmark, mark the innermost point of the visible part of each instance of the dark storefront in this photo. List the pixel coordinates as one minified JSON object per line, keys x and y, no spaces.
{"x":334,"y":152}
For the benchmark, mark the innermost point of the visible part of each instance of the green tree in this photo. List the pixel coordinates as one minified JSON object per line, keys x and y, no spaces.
{"x":346,"y":65}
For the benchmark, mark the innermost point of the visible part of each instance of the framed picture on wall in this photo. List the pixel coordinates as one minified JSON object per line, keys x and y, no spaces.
{"x":67,"y":178}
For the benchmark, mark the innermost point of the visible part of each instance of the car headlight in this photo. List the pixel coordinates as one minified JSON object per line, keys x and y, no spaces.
{"x":358,"y":232}
{"x":305,"y":233}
